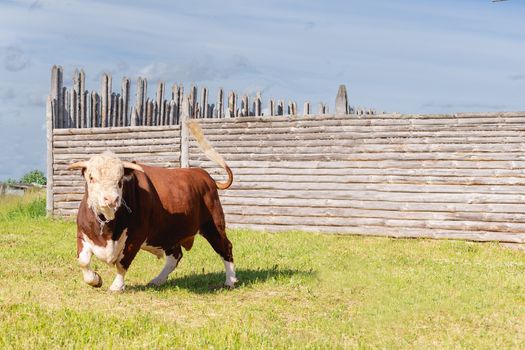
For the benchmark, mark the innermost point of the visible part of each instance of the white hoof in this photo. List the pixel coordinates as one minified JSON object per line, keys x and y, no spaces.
{"x":230,"y":282}
{"x":117,"y":289}
{"x":93,"y":279}
{"x":118,"y":284}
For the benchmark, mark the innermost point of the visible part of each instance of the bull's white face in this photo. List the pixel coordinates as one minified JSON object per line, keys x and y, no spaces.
{"x":104,"y":176}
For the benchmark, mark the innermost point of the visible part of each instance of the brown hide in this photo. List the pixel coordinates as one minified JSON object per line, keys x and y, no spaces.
{"x":167,"y":207}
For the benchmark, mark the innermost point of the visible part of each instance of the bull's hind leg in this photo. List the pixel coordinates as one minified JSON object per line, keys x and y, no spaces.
{"x":172,"y":260}
{"x":216,"y":236}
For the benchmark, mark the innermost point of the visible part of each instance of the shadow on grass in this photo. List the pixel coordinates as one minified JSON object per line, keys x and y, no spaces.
{"x":211,"y":282}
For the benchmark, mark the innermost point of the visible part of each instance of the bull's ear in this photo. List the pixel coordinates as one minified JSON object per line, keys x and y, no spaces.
{"x":128,"y":174}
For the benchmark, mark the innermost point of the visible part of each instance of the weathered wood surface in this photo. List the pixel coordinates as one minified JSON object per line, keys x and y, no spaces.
{"x":50,"y":120}
{"x":341,"y":101}
{"x":184,"y":133}
{"x":406,"y":232}
{"x":439,"y":176}
{"x":459,"y":176}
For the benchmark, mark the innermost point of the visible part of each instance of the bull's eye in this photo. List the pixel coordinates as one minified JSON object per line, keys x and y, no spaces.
{"x":91,"y":179}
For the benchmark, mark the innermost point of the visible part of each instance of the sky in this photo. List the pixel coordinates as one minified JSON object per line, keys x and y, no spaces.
{"x":407,"y":56}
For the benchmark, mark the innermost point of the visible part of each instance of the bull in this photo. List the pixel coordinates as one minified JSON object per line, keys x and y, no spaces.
{"x":128,"y":207}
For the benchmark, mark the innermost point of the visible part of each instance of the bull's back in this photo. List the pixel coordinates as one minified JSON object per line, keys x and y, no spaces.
{"x":181,"y":192}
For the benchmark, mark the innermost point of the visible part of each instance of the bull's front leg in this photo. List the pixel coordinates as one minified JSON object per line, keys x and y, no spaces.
{"x":129,"y":252}
{"x":84,"y":254}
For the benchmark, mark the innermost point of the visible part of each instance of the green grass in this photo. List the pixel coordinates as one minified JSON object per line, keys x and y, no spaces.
{"x":298,"y":291}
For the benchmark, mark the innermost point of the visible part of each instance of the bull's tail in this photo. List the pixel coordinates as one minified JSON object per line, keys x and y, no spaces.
{"x":210,"y":152}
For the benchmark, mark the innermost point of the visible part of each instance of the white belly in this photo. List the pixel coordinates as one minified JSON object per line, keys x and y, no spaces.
{"x":112,"y":252}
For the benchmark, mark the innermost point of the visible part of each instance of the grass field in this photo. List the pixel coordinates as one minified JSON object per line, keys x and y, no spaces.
{"x":298,"y":291}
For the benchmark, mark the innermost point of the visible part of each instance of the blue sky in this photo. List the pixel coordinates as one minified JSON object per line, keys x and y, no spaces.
{"x":396,"y":56}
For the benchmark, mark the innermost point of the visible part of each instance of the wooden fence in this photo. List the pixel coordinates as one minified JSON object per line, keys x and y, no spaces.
{"x":456,"y":176}
{"x":78,"y":108}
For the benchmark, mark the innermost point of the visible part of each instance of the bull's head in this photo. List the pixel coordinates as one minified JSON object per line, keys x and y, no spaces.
{"x":105,"y":175}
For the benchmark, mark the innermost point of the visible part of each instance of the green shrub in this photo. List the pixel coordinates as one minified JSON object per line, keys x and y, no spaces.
{"x":34,"y":176}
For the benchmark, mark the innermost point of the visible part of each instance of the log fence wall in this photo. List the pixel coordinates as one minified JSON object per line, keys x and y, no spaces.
{"x":458,"y":176}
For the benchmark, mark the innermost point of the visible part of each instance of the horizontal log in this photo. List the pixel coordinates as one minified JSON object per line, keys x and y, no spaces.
{"x":351,"y":213}
{"x":321,"y":117}
{"x":343,"y":172}
{"x":480,"y":236}
{"x":292,"y":147}
{"x":445,"y":207}
{"x":117,"y":136}
{"x":434,"y":176}
{"x":489,"y":114}
{"x":507,"y":227}
{"x":380,"y":164}
{"x":73,"y":205}
{"x":307,"y":211}
{"x":470,"y":198}
{"x":151,"y":149}
{"x":366,"y":122}
{"x":313,"y":184}
{"x":69,"y":214}
{"x":366,"y":129}
{"x":75,"y":197}
{"x":64,"y":157}
{"x":364,"y":135}
{"x":355,"y":157}
{"x":380,"y":187}
{"x":112,"y":142}
{"x":330,"y":140}
{"x":115,"y":130}
{"x":61,"y":169}
{"x":353,"y":179}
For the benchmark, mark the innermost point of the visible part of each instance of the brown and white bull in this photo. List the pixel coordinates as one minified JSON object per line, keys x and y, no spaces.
{"x":127,"y":207}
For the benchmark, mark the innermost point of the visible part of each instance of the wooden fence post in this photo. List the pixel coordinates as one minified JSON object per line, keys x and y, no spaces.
{"x":184,"y":134}
{"x":160,"y":106}
{"x":125,"y":85}
{"x":245,"y":109}
{"x":140,"y":105}
{"x":220,"y":106}
{"x":57,"y":93}
{"x":204,"y":103}
{"x":106,"y":95}
{"x":306,"y":108}
{"x":341,"y":101}
{"x":231,"y":105}
{"x":257,"y":106}
{"x":280,"y":108}
{"x":49,"y":170}
{"x":82,"y":95}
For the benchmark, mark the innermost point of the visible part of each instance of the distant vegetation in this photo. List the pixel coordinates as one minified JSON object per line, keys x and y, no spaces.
{"x":32,"y":177}
{"x":32,"y":205}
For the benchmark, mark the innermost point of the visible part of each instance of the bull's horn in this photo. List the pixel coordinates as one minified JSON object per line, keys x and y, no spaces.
{"x":133,"y":166}
{"x":77,"y":165}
